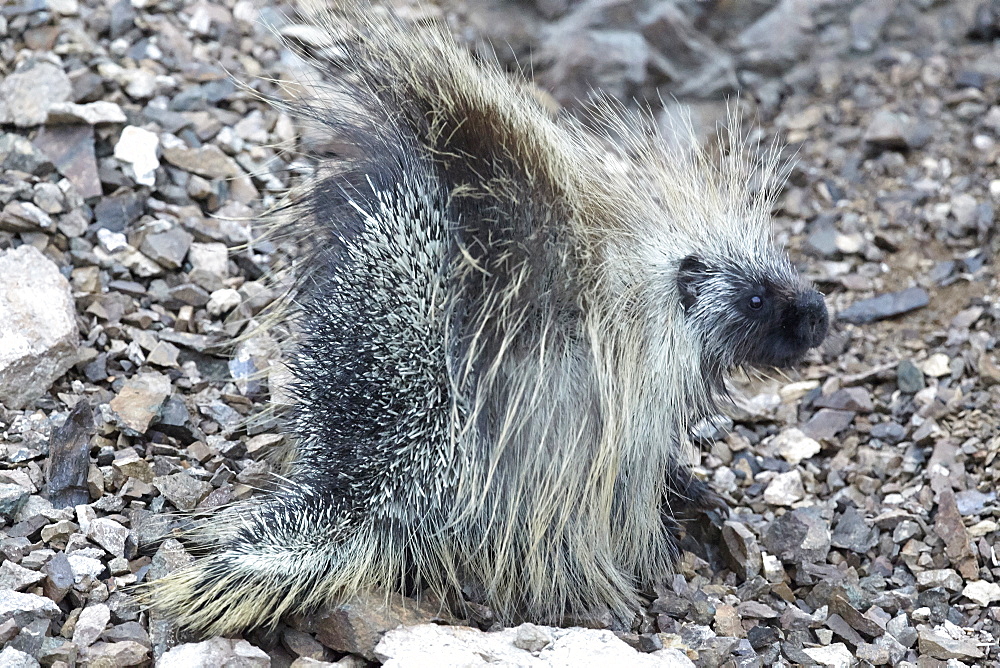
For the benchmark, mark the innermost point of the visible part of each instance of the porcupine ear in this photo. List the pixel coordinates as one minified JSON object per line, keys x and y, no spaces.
{"x":691,"y":273}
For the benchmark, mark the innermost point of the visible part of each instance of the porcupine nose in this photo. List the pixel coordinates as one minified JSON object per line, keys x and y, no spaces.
{"x":814,"y":318}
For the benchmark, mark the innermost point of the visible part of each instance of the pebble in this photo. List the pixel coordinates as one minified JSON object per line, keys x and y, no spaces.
{"x":208,"y":161}
{"x":38,"y":331}
{"x":909,"y":377}
{"x":794,"y":446}
{"x":182,"y":490}
{"x":25,"y":608}
{"x":137,"y":147}
{"x":138,"y":403}
{"x":799,"y":536}
{"x":785,"y":489}
{"x":223,"y":301}
{"x":936,"y":366}
{"x":168,"y":248}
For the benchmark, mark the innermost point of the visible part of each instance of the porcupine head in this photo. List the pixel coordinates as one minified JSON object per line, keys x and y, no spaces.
{"x":505,"y":324}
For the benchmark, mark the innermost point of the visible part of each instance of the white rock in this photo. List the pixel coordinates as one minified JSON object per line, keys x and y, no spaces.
{"x":137,"y":147}
{"x":433,"y":646}
{"x":214,"y":653}
{"x":223,"y":301}
{"x":15,"y":658}
{"x":785,"y":489}
{"x":836,"y":655}
{"x":91,"y":624}
{"x":84,"y":566}
{"x":936,"y":366}
{"x":794,"y":446}
{"x":38,"y":333}
{"x":92,"y":113}
{"x":212,"y":258}
{"x":25,"y":608}
{"x":108,"y":534}
{"x":982,"y":592}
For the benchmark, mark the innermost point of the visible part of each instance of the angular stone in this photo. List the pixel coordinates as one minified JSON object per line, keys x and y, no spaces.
{"x":29,"y":92}
{"x":25,"y":608}
{"x":12,"y":499}
{"x":58,"y":577}
{"x":799,"y":536}
{"x":785,"y":489}
{"x":19,"y":154}
{"x":115,"y":654}
{"x":108,"y":534}
{"x":91,"y":624}
{"x":38,"y":332}
{"x":833,"y":656}
{"x":208,"y":161}
{"x":941,"y":646}
{"x":794,"y":446}
{"x":951,"y":528}
{"x":853,"y":533}
{"x":182,"y":490}
{"x":139,"y":402}
{"x":11,"y":657}
{"x":741,"y":550}
{"x":885,"y":306}
{"x":18,"y":578}
{"x":214,"y":653}
{"x":472,"y":648}
{"x":137,"y":148}
{"x":357,"y":626}
{"x":167,"y":248}
{"x":982,"y":593}
{"x":92,"y":113}
{"x":827,"y":423}
{"x":71,"y":149}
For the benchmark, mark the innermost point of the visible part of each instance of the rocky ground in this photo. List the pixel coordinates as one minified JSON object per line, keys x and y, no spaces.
{"x":136,"y":153}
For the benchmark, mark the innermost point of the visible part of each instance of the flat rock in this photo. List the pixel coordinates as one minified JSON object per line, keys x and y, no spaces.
{"x":433,"y":646}
{"x":71,"y":149}
{"x":18,"y":578}
{"x":981,"y":592}
{"x":12,"y":499}
{"x":91,"y":624}
{"x":208,"y":161}
{"x":38,"y":332}
{"x":92,"y":113}
{"x":885,"y":306}
{"x":794,"y":446}
{"x":139,"y":402}
{"x":836,"y":655}
{"x":182,"y":490}
{"x":214,"y":653}
{"x":25,"y":608}
{"x":124,"y":653}
{"x":938,"y":645}
{"x":30,"y":92}
{"x":799,"y":536}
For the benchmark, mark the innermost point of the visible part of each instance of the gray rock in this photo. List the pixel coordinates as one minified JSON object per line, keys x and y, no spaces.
{"x":214,"y":653}
{"x":91,"y":624}
{"x":909,"y":377}
{"x":108,"y":534}
{"x":17,"y":577}
{"x":885,"y":306}
{"x":38,"y":332}
{"x":15,"y":658}
{"x":124,"y":653}
{"x":827,"y":423}
{"x":71,"y":149}
{"x":939,"y":645}
{"x":612,"y":61}
{"x":853,"y":533}
{"x":208,"y":161}
{"x":532,"y":638}
{"x":799,"y":536}
{"x":888,"y":130}
{"x":92,"y":113}
{"x":167,"y":248}
{"x":182,"y":490}
{"x":867,"y":20}
{"x":19,"y":154}
{"x":890,"y":432}
{"x":29,"y":92}
{"x":58,"y":577}
{"x":25,"y":608}
{"x":12,"y":499}
{"x":24,"y":217}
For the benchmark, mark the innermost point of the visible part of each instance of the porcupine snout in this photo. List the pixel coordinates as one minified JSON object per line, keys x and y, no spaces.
{"x":814,"y":320}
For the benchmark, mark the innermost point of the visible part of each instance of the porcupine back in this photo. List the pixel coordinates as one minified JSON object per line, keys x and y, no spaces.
{"x":490,"y":387}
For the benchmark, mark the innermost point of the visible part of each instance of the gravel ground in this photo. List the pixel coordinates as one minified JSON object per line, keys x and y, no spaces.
{"x":136,"y":154}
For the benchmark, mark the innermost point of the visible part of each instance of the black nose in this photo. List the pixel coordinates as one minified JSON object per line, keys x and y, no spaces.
{"x":814,"y":320}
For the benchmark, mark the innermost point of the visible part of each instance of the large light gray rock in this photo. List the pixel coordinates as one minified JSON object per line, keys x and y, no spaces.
{"x":214,"y":653}
{"x":38,"y":332}
{"x":434,"y":646}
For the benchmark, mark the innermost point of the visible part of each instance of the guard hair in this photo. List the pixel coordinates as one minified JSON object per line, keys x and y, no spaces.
{"x":506,"y":323}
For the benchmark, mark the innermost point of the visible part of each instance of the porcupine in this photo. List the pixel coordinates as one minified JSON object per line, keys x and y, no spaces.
{"x":506,"y":325}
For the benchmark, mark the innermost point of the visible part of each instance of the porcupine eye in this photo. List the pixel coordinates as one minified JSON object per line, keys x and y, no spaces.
{"x":756,"y":303}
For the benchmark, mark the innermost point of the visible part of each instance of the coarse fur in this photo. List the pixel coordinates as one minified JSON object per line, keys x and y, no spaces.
{"x":505,"y":329}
